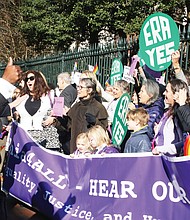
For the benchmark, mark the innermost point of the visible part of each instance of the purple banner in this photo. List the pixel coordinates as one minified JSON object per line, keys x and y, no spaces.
{"x":119,"y":187}
{"x":177,"y":169}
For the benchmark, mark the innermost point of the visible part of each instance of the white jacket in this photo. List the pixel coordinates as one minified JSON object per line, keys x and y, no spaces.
{"x":34,"y":122}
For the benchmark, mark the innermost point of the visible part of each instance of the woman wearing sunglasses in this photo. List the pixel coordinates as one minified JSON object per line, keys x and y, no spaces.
{"x":35,"y":107}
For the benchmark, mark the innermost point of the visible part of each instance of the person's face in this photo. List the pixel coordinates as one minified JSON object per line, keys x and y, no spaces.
{"x":81,"y":146}
{"x":132,"y":124}
{"x":93,"y":143}
{"x":30,"y":80}
{"x":16,"y":93}
{"x":109,"y":89}
{"x":83,"y":91}
{"x":169,"y":95}
{"x":134,"y":98}
{"x":117,"y":92}
{"x":59,"y":83}
{"x":12,"y":72}
{"x":143,"y":95}
{"x":15,"y":73}
{"x":22,"y":83}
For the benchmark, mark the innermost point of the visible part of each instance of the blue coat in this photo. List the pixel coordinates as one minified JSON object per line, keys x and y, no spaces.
{"x":155,"y":111}
{"x":139,"y":141}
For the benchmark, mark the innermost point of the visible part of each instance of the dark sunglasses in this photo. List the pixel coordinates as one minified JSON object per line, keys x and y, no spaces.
{"x":31,"y":78}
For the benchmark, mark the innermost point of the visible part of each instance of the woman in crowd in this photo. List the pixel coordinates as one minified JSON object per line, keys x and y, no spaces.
{"x":120,"y":87}
{"x":170,"y":132}
{"x":35,"y":107}
{"x":149,"y":97}
{"x":100,"y":141}
{"x":91,"y":75}
{"x":85,"y":113}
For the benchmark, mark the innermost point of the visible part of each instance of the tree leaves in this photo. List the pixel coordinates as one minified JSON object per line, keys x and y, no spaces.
{"x":33,"y":27}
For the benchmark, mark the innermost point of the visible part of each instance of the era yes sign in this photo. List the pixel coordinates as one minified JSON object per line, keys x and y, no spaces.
{"x":159,"y":37}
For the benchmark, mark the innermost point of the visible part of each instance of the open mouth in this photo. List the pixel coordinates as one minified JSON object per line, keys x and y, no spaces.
{"x":30,"y":86}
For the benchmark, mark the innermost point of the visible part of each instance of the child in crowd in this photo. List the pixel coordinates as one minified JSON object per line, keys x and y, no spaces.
{"x":139,"y":141}
{"x":83,"y":145}
{"x":100,"y":141}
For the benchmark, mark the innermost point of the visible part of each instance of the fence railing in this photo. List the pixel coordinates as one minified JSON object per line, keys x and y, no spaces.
{"x":101,"y":54}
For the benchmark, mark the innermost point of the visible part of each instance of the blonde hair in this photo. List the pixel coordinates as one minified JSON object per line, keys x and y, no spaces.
{"x":84,"y":138}
{"x":99,"y":134}
{"x":138,"y":114}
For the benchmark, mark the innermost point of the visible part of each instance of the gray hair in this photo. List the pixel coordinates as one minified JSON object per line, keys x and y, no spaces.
{"x":65,"y":76}
{"x":152,"y":89}
{"x":123,"y":85}
{"x":89,"y":83}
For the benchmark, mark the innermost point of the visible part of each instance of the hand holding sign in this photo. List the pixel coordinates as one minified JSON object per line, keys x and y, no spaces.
{"x":175,"y":57}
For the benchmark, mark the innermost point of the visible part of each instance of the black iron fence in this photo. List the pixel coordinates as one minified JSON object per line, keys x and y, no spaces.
{"x":101,"y":54}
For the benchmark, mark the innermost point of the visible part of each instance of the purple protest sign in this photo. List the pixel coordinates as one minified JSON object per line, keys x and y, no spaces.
{"x":58,"y":106}
{"x":117,"y":186}
{"x":135,"y":59}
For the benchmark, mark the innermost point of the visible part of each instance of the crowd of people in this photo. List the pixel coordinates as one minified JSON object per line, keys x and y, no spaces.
{"x":155,"y":110}
{"x":158,"y":116}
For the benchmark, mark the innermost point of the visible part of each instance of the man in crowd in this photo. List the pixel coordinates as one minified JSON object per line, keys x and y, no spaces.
{"x":10,"y":76}
{"x":69,"y":93}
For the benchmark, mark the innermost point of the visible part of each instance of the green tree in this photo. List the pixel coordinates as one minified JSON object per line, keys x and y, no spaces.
{"x":53,"y":25}
{"x":49,"y":26}
{"x":44,"y":26}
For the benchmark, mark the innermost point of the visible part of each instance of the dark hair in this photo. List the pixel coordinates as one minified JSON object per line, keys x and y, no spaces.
{"x":40,"y":86}
{"x":51,"y":85}
{"x":177,"y":84}
{"x":187,"y":76}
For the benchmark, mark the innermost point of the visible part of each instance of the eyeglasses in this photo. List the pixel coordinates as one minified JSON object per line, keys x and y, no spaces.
{"x":81,"y":87}
{"x":31,"y":78}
